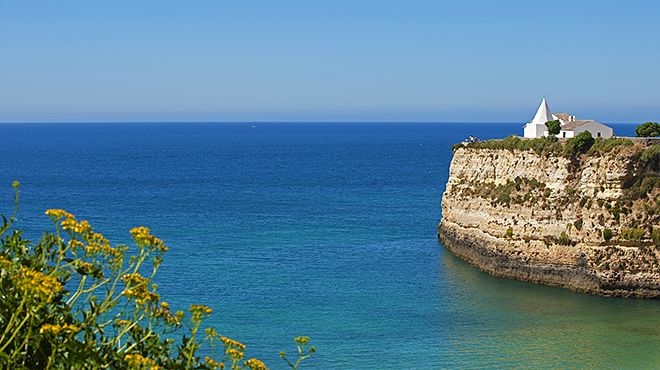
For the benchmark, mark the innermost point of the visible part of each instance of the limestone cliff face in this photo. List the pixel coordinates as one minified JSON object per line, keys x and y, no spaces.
{"x":542,"y":218}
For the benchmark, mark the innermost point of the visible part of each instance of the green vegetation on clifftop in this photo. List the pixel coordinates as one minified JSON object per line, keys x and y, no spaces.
{"x":583,"y":143}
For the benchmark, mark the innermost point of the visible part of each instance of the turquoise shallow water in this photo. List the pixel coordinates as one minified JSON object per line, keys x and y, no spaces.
{"x":327,"y":230}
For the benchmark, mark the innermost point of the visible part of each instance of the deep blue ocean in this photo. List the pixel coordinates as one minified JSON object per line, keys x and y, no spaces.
{"x":325,"y":230}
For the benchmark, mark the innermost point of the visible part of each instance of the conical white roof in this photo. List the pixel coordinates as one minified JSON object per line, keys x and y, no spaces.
{"x":543,"y":114}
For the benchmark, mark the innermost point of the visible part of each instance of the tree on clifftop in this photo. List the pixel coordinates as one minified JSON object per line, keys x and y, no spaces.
{"x":648,"y":129}
{"x":553,"y":127}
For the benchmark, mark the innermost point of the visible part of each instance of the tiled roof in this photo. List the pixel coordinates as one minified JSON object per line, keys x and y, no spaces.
{"x":577,"y":123}
{"x":562,"y":116}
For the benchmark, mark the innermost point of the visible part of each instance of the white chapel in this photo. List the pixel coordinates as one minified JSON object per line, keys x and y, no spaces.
{"x":569,"y":125}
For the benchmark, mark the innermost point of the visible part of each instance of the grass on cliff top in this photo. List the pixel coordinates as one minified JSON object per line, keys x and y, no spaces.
{"x":581,"y":144}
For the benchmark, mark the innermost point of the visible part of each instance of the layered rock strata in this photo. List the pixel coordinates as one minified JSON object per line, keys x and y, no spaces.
{"x":573,"y":222}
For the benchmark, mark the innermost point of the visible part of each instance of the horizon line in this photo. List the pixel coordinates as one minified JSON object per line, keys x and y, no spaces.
{"x":267,"y":122}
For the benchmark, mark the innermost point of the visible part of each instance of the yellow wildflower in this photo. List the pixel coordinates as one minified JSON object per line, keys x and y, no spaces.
{"x":83,"y":264}
{"x":15,"y":184}
{"x":5,"y":263}
{"x":82,"y":227}
{"x":139,"y":232}
{"x":75,"y":244}
{"x":137,"y":361}
{"x":142,"y":236}
{"x":55,"y":329}
{"x":36,"y":284}
{"x":69,"y":224}
{"x":211,"y":333}
{"x":70,"y":327}
{"x":228,"y":342}
{"x":97,"y":237}
{"x":301,"y":340}
{"x":92,"y":249}
{"x":141,"y":296}
{"x":234,"y":354}
{"x":214,"y":364}
{"x":111,"y":252}
{"x":97,"y":243}
{"x":255,"y":364}
{"x":137,"y":288}
{"x":199,"y":310}
{"x":96,"y":240}
{"x":50,"y":329}
{"x":58,"y":214}
{"x":134,"y":279}
{"x":164,"y":312}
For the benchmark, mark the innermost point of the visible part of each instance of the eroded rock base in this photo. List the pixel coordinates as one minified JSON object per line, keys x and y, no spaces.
{"x":526,"y":261}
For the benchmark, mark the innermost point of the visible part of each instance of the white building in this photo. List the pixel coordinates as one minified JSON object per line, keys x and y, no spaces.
{"x":569,"y":125}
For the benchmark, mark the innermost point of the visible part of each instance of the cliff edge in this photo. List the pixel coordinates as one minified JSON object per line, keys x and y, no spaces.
{"x":583,"y":218}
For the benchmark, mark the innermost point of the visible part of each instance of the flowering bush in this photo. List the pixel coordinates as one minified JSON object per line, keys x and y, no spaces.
{"x":74,"y":301}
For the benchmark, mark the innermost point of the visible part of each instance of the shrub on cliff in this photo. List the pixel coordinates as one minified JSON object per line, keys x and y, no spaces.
{"x":581,"y":143}
{"x":75,"y":301}
{"x":602,"y":146}
{"x":633,"y":234}
{"x":520,"y":191}
{"x":648,"y":179}
{"x":456,"y":146}
{"x":648,"y":129}
{"x":615,"y":211}
{"x":578,"y":224}
{"x":650,"y":158}
{"x":607,"y":234}
{"x":564,"y":239}
{"x":641,"y":187}
{"x":543,"y":145}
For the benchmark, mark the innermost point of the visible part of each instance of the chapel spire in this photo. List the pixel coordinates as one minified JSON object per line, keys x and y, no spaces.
{"x":543,"y":114}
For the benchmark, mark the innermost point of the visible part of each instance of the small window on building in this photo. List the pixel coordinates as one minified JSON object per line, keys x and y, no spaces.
{"x":563,"y":134}
{"x":599,"y":134}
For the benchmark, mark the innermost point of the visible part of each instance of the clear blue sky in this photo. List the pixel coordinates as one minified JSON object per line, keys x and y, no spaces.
{"x":246,"y":60}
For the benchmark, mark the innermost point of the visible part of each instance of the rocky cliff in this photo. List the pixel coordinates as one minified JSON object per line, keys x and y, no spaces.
{"x":587,"y":221}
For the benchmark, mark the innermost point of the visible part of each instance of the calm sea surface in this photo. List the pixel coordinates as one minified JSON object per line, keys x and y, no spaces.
{"x":327,"y":230}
